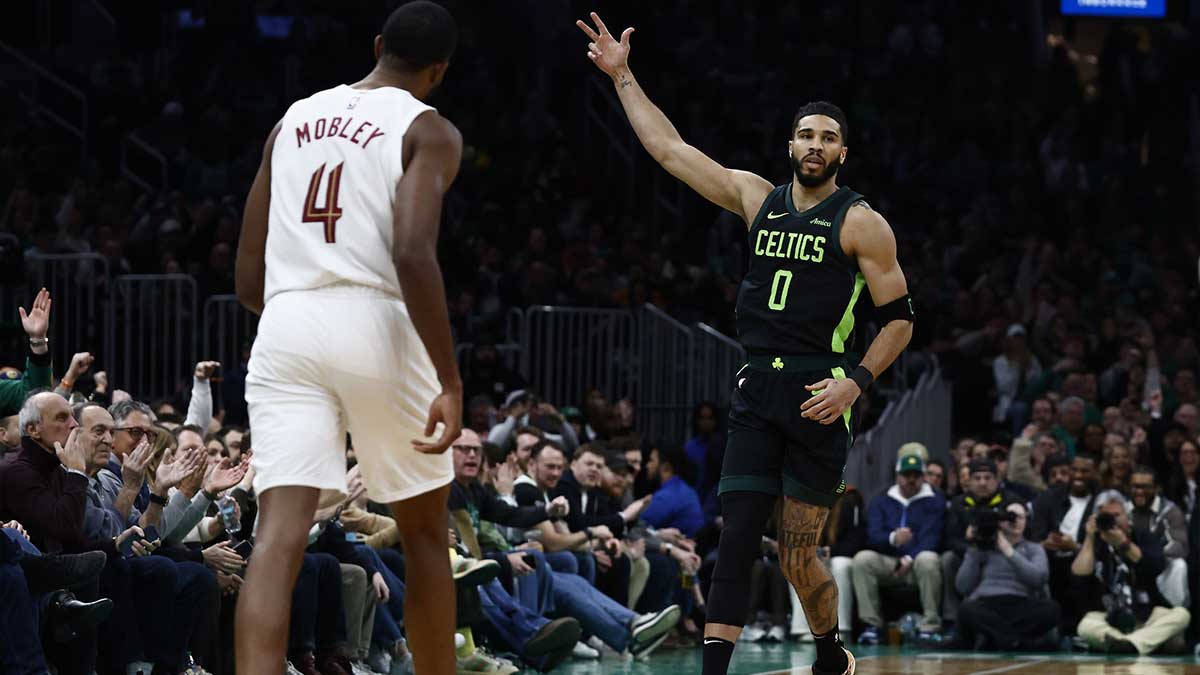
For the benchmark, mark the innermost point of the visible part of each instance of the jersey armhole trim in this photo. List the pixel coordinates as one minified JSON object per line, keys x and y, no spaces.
{"x":852,"y":199}
{"x":766,"y":206}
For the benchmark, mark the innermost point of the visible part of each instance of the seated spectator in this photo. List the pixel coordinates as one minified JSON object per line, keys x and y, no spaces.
{"x":580,"y":486}
{"x":1002,"y":580}
{"x":1115,"y":570}
{"x":31,"y":585}
{"x":705,"y":450}
{"x":1028,"y":458}
{"x":1010,"y":372}
{"x":998,"y":455}
{"x":1116,"y":470}
{"x":1185,"y":472}
{"x":675,"y":504}
{"x":1059,"y":516}
{"x":45,"y":489}
{"x":541,"y":642}
{"x":1056,"y":472}
{"x":983,"y":492}
{"x":1070,"y":423}
{"x":935,"y":475}
{"x":904,"y":527}
{"x":1161,"y":517}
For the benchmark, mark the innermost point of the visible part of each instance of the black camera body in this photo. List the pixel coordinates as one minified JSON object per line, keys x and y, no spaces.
{"x":1105,"y":521}
{"x":987,"y":526}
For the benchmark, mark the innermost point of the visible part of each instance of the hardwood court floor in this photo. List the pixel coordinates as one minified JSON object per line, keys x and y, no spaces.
{"x":791,"y":659}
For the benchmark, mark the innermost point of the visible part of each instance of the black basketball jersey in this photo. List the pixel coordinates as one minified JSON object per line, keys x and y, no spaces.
{"x":799,"y":294}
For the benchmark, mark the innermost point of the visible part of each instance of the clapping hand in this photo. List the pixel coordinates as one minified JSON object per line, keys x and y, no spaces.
{"x":225,"y":474}
{"x":171,"y":474}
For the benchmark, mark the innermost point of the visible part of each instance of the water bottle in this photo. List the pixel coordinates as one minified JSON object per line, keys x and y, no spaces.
{"x":227,"y":507}
{"x":908,"y":627}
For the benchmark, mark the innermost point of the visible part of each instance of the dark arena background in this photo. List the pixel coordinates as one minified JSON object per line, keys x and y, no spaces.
{"x":1036,"y":160}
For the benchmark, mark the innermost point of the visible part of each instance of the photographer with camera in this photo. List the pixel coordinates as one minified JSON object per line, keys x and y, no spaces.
{"x":981,"y":492}
{"x":1002,"y":578}
{"x":1116,"y":568}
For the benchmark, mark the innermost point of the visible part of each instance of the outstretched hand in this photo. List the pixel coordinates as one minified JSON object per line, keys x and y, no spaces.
{"x":608,"y":53}
{"x":37,"y":321}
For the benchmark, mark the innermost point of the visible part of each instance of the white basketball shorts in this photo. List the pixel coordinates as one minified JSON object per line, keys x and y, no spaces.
{"x":336,"y":359}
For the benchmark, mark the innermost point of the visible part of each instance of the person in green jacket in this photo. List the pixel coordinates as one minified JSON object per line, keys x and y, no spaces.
{"x":37,"y":365}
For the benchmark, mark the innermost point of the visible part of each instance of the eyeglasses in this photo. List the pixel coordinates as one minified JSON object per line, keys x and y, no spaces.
{"x":469,"y":449}
{"x":137,"y":433}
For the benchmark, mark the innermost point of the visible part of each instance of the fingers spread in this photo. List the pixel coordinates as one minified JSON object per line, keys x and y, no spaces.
{"x":587,"y":30}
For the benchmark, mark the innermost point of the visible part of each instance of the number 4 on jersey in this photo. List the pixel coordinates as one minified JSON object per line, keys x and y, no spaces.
{"x":330,"y":212}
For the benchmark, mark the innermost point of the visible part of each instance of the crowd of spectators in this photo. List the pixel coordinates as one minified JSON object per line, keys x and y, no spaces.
{"x":1043,"y":222}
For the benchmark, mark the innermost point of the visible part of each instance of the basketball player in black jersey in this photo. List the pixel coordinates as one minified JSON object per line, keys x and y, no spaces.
{"x":814,"y":247}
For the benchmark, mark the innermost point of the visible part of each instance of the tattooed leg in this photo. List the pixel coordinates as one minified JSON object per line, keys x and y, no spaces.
{"x":800,"y":527}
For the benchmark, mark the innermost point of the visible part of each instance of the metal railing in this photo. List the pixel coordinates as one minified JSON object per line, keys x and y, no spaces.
{"x":155,"y":329}
{"x":642,"y":354}
{"x":135,"y":152}
{"x":228,"y":330}
{"x":921,"y":414}
{"x":716,"y":358}
{"x":42,"y":90}
{"x":663,"y":381}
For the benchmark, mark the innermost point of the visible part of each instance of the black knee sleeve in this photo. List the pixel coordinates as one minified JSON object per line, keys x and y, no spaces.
{"x":746,"y":515}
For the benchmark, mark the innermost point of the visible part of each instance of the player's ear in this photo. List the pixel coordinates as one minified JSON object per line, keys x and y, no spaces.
{"x":438,"y":71}
{"x":378,"y":47}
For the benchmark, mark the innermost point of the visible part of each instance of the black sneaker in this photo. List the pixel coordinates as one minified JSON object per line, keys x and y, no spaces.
{"x":559,"y":633}
{"x":70,"y":618}
{"x":47,"y":572}
{"x":849,"y":665}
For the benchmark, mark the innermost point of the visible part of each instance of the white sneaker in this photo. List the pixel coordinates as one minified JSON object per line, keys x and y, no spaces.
{"x":777,"y":634}
{"x":481,"y":663}
{"x":360,"y":668}
{"x":583,"y":651}
{"x":379,"y":660}
{"x":597,"y":644}
{"x":752,"y":633}
{"x":648,"y":628}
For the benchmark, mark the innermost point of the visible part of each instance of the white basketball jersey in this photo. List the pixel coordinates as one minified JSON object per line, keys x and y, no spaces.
{"x":334,"y":170}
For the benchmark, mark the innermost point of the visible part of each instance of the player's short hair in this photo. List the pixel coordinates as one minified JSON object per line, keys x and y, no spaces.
{"x":823,"y":108}
{"x":419,"y":34}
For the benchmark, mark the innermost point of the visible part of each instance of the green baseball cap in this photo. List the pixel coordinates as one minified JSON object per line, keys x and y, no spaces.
{"x":909,"y":463}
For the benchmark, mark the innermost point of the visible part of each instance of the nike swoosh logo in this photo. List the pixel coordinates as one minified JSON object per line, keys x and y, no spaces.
{"x":771,"y":215}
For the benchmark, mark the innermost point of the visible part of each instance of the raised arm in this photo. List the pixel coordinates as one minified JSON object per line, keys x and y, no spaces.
{"x":741,"y":192}
{"x":432,"y":152}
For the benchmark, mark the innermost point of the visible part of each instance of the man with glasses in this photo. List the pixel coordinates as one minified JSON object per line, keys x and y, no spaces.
{"x":1164,"y":519}
{"x":1005,"y":608}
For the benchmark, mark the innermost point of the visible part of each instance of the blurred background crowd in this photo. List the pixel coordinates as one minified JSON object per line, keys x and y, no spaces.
{"x":1039,"y":172}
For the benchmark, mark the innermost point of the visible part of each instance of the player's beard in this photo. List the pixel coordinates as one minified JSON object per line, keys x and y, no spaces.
{"x":811,"y":180}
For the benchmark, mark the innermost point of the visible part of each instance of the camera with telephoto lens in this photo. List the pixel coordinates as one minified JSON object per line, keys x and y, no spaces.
{"x":987,"y":526}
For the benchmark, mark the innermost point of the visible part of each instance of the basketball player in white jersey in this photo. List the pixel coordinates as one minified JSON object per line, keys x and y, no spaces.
{"x":338,"y":255}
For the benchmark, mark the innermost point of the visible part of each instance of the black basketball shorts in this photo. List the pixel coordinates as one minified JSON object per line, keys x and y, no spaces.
{"x":771,"y":448}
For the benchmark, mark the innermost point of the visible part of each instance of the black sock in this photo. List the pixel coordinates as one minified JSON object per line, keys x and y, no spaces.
{"x":717,"y":653}
{"x":830,"y":657}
